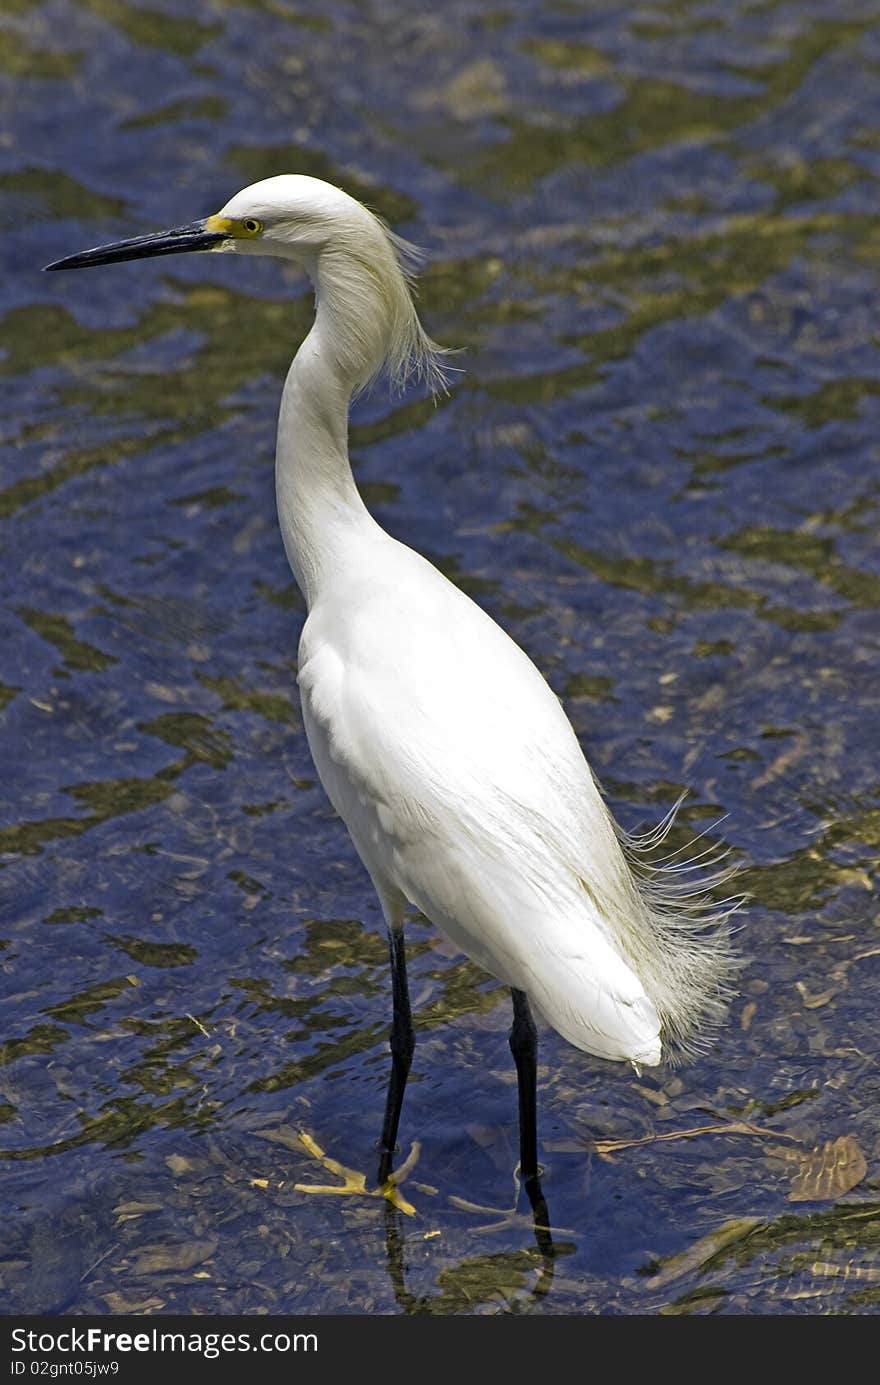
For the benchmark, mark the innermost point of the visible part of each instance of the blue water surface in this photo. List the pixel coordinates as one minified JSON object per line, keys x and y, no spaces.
{"x":652,"y":231}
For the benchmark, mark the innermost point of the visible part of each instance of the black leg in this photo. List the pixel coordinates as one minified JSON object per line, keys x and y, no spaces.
{"x":402,"y":1045}
{"x":524,"y":1047}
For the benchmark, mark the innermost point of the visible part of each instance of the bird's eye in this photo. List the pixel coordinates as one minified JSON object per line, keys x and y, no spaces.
{"x":252,"y":226}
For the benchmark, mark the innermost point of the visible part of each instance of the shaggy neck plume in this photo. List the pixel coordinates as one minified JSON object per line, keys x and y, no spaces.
{"x":365,"y":323}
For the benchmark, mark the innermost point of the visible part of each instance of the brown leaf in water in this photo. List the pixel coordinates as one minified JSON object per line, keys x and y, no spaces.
{"x":154,"y":1259}
{"x":703,"y":1250}
{"x":283,"y":1135}
{"x":829,"y":1171}
{"x":814,"y":1002}
{"x":179,"y":1164}
{"x":605,"y":1148}
{"x":118,"y":1303}
{"x":125,"y":1211}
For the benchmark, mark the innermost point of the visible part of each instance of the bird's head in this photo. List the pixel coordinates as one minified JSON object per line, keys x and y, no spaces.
{"x":360,"y":268}
{"x":291,"y":216}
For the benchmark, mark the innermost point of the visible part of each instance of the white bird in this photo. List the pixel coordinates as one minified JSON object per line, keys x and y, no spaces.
{"x":439,"y":743}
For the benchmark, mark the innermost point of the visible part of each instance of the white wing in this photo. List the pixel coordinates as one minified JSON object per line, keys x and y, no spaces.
{"x":465,"y":790}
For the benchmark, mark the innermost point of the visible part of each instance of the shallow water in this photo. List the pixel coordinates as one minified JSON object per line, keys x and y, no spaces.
{"x":653,"y":231}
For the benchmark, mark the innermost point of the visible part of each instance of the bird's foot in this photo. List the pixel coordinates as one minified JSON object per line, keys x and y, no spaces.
{"x":507,"y":1216}
{"x":537,"y":1219}
{"x":354,"y":1183}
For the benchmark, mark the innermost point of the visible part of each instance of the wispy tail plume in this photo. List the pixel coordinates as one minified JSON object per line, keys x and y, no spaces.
{"x":691,"y":967}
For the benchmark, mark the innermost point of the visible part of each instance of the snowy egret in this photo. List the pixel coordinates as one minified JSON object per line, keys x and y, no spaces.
{"x":438,"y":742}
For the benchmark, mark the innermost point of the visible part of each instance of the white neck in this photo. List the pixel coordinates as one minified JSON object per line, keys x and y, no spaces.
{"x":319,"y":508}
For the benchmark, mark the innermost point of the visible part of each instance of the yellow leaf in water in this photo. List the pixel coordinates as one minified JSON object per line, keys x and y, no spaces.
{"x":829,"y":1171}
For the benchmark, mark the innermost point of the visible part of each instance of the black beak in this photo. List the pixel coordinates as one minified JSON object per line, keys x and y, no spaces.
{"x":182,"y":238}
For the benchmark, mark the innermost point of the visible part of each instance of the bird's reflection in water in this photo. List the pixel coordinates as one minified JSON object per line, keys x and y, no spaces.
{"x":506,"y":1275}
{"x":543,"y":1238}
